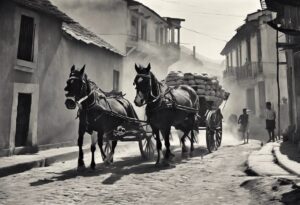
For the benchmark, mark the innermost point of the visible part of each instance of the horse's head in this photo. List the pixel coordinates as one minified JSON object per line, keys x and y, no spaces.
{"x":76,"y":87}
{"x":143,"y":84}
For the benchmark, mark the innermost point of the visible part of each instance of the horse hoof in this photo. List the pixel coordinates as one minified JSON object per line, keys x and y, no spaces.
{"x":191,"y":154}
{"x":172,"y":155}
{"x":81,"y":168}
{"x":93,"y":166}
{"x":165,"y":163}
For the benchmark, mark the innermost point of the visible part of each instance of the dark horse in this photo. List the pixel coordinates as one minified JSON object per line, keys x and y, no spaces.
{"x":98,"y":112}
{"x":161,"y":110}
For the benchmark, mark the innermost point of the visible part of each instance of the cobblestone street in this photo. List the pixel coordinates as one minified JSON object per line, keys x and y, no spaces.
{"x":205,"y":179}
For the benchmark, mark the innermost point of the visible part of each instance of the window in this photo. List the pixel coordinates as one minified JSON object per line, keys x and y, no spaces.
{"x":134,"y":28}
{"x":227,"y":61}
{"x":116,"y":76}
{"x":157,"y":35}
{"x":259,"y":52}
{"x":161,"y":36}
{"x":144,"y":31}
{"x":248,"y":49}
{"x":26,"y":39}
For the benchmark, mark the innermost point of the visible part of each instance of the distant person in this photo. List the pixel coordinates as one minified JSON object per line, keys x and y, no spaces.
{"x":244,"y":125}
{"x":270,"y":116}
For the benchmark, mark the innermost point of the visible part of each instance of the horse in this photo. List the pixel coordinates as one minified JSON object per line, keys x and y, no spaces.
{"x":162,"y":108}
{"x":98,"y":111}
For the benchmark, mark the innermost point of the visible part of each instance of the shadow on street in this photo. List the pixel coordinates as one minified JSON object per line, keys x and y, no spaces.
{"x":126,"y":166}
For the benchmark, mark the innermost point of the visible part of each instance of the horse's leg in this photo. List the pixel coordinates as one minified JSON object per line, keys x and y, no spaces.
{"x":158,"y":144}
{"x":183,"y":149}
{"x":100,"y":144}
{"x":93,"y":149}
{"x":80,"y":143}
{"x":192,"y":141}
{"x":110,"y":157}
{"x":166,"y":135}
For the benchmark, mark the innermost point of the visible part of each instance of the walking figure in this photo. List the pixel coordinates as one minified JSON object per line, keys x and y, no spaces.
{"x":244,"y":125}
{"x":270,"y":116}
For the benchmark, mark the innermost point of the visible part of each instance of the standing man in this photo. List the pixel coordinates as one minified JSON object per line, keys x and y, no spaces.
{"x":270,"y":116}
{"x":244,"y":125}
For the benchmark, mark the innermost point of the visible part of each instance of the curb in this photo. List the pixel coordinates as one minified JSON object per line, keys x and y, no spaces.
{"x":262,"y":162}
{"x":41,"y":160}
{"x":46,"y":158}
{"x":291,"y":166}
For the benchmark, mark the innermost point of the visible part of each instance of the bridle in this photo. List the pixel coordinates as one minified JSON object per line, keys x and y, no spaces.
{"x":155,"y":98}
{"x":84,"y":85}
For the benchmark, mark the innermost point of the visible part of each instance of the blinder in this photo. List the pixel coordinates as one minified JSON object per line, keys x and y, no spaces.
{"x":70,"y":103}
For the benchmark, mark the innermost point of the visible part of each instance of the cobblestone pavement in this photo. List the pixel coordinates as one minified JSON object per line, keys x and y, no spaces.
{"x":201,"y":179}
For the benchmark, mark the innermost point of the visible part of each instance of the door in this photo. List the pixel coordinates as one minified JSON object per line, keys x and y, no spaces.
{"x":262,"y":96}
{"x":23,"y":118}
{"x":251,"y":99}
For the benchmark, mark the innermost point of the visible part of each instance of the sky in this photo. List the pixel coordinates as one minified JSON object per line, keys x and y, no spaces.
{"x":216,"y":20}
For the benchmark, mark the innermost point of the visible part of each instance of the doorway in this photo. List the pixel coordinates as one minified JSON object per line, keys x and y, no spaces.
{"x":23,"y":119}
{"x":251,"y":100}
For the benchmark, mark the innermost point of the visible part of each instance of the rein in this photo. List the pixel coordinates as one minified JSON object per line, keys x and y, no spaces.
{"x":109,"y":112}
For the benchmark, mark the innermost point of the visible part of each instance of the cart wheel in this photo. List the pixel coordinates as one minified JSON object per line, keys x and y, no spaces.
{"x":147,"y":147}
{"x":211,"y":140}
{"x":107,"y":146}
{"x":219,"y":134}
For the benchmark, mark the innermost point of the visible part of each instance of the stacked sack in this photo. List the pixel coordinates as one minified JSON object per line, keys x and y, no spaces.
{"x":205,"y":86}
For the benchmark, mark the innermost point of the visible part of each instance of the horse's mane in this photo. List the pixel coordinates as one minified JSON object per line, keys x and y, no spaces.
{"x":93,"y":86}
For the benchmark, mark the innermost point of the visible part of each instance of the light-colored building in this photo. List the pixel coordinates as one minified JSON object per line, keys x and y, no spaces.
{"x":38,"y":46}
{"x":251,"y":64}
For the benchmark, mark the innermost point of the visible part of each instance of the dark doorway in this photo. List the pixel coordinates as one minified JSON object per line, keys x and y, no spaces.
{"x":23,"y":117}
{"x":251,"y":99}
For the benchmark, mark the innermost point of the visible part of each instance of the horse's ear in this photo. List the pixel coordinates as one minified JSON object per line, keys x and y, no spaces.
{"x":72,"y":68}
{"x":82,"y":70}
{"x":137,"y":68}
{"x":148,"y":67}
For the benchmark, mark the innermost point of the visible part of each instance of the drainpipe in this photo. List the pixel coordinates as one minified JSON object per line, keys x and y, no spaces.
{"x":278,"y":86}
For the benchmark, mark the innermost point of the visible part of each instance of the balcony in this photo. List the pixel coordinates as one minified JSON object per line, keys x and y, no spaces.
{"x":230,"y":72}
{"x":248,"y":71}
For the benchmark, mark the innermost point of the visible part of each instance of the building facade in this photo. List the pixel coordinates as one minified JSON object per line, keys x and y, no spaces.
{"x":251,"y":64}
{"x":287,"y":21}
{"x":151,"y":39}
{"x":38,"y":46}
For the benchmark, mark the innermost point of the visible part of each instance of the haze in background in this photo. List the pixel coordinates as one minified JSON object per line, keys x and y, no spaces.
{"x":217,"y":19}
{"x":106,"y":18}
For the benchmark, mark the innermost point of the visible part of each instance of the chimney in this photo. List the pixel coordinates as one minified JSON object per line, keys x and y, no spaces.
{"x":194,"y":52}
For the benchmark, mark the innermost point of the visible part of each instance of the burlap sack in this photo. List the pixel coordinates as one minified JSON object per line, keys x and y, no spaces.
{"x":208,"y":87}
{"x":201,"y":87}
{"x":192,"y":82}
{"x":200,"y":92}
{"x":180,"y":82}
{"x":171,"y":83}
{"x":199,"y":81}
{"x":200,"y":77}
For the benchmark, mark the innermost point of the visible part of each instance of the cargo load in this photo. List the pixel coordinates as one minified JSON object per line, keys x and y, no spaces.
{"x":207,"y":87}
